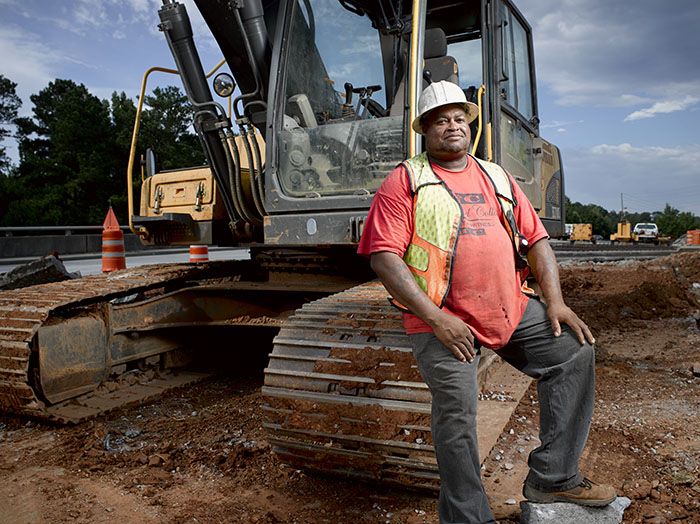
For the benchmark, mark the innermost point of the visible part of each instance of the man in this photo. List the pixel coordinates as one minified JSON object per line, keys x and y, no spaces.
{"x":441,"y":242}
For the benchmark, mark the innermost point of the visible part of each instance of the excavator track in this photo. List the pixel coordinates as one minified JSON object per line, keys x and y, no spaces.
{"x":28,"y":318}
{"x":344,"y":395}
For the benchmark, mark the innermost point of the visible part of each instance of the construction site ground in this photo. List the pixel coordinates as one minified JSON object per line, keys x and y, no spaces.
{"x":199,"y":454}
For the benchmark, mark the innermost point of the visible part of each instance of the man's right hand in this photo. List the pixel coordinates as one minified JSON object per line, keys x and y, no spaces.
{"x":456,"y":336}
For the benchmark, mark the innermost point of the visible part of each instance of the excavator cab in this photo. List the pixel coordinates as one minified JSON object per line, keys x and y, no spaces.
{"x":328,"y":90}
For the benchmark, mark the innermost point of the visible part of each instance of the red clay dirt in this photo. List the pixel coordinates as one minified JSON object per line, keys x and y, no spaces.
{"x":199,"y":454}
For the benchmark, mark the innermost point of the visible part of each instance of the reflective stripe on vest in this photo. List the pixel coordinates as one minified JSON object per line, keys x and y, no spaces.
{"x":437,"y":216}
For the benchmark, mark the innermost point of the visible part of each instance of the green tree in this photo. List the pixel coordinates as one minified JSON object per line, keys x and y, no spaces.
{"x":66,"y":173}
{"x":671,"y":221}
{"x":123,"y":113}
{"x":597,"y":216}
{"x":675,"y":223}
{"x":74,"y":151}
{"x":9,"y":105}
{"x":165,"y":128}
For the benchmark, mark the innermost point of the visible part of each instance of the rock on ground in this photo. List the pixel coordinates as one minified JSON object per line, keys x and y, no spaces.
{"x":564,"y":513}
{"x":42,"y":271}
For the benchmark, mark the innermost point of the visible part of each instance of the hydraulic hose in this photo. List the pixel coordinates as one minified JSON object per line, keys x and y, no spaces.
{"x":236,"y":173}
{"x":255,"y":171}
{"x":253,"y":13}
{"x":235,"y":176}
{"x":259,"y":177}
{"x":232,"y":167}
{"x":251,"y":167}
{"x":228,"y":194}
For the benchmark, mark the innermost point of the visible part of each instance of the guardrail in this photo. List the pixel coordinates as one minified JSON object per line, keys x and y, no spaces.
{"x":50,"y":230}
{"x":37,"y":241}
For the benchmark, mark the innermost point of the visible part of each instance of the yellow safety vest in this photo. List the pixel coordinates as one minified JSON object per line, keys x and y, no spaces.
{"x":437,"y":216}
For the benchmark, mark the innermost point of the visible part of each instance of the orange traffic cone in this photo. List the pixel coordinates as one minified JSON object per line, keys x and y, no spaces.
{"x":199,"y":254}
{"x":112,"y":244}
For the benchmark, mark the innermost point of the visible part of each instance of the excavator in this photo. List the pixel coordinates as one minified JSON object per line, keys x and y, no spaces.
{"x":327,"y":91}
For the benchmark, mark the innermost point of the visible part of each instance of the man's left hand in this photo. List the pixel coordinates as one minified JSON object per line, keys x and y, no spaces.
{"x":561,"y":314}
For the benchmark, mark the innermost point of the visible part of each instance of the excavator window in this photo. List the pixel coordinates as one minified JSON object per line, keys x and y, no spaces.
{"x":517,"y":122}
{"x":467,"y":53}
{"x":336,"y":135}
{"x":516,"y":90}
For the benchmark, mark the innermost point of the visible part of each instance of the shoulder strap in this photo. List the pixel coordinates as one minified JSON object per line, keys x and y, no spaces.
{"x":500,"y":180}
{"x":420,"y":173}
{"x":411,"y":175}
{"x":504,"y":193}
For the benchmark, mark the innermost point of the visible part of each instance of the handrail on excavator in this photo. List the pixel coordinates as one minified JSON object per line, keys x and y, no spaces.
{"x":416,"y":69}
{"x":479,"y":100}
{"x":142,"y":231}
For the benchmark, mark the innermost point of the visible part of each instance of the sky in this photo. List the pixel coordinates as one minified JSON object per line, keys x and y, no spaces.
{"x":618,"y":82}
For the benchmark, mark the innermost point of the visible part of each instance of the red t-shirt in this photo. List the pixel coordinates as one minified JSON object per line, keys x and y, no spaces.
{"x":485,"y":290}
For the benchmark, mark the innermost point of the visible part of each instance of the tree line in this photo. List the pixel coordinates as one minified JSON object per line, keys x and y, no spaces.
{"x":670,"y":221}
{"x":73,"y":154}
{"x":74,"y":148}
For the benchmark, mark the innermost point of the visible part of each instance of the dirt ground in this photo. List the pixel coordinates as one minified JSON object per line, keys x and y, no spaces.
{"x":200,"y":455}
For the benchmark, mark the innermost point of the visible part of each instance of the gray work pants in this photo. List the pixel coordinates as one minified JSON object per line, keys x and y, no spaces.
{"x":565,"y":374}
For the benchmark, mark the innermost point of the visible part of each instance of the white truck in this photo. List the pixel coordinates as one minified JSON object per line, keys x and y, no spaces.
{"x":646,"y":232}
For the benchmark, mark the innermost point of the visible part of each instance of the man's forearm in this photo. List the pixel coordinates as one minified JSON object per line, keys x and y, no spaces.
{"x":544,"y":266}
{"x":399,"y":282}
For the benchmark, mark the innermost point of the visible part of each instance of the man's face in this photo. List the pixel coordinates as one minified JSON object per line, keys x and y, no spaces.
{"x":447,"y":131}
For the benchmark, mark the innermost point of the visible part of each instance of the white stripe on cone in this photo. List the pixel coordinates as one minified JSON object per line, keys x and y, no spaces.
{"x":199,"y":253}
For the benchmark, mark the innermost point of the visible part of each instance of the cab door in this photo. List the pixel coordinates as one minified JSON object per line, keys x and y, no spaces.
{"x":516,"y":125}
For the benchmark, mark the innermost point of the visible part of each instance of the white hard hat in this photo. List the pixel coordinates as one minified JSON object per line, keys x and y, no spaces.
{"x":439,"y":94}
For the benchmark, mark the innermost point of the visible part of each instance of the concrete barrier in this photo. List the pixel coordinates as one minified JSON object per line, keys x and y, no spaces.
{"x":40,"y":245}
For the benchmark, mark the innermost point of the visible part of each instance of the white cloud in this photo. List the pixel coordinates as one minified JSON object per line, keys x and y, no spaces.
{"x":667,"y":106}
{"x":120,"y":16}
{"x":654,"y":175}
{"x":366,"y":45}
{"x":103,"y":12}
{"x":345,"y":70}
{"x":591,"y":53}
{"x":28,"y":62}
{"x":142,"y":6}
{"x":559,"y":124}
{"x":87,"y":13}
{"x":66,"y":24}
{"x":685,"y":156}
{"x":118,"y":35}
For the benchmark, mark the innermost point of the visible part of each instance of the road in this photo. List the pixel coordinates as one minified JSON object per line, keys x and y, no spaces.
{"x":92,"y":264}
{"x":602,"y":252}
{"x":607,"y":252}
